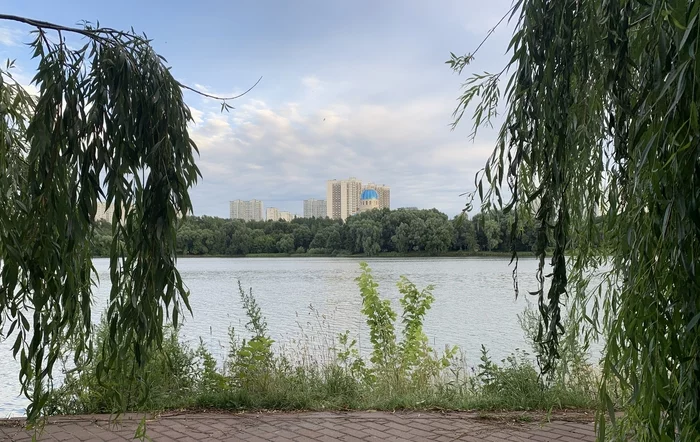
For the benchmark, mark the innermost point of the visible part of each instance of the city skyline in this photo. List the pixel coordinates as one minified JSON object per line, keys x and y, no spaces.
{"x":344,"y":198}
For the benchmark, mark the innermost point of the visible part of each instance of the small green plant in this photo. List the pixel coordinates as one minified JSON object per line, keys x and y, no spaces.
{"x":380,"y":319}
{"x":349,"y":359}
{"x":209,"y":377}
{"x":415,"y":305}
{"x":251,"y":362}
{"x":488,"y":371}
{"x":397,"y":364}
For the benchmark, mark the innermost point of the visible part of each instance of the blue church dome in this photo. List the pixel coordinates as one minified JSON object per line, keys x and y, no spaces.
{"x":369,"y":194}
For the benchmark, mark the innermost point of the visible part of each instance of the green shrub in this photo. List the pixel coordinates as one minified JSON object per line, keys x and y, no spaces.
{"x":251,"y":361}
{"x":170,"y":379}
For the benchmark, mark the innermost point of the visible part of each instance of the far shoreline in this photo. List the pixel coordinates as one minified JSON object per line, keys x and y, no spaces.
{"x":481,"y":254}
{"x":383,"y":255}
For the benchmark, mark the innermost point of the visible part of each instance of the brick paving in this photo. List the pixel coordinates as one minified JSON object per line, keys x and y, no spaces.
{"x":310,"y":426}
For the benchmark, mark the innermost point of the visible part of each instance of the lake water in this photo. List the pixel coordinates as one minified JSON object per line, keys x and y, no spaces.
{"x":474,"y":303}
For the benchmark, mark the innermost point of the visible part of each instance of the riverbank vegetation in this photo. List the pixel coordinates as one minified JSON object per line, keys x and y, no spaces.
{"x":598,"y":138}
{"x":378,"y":232}
{"x":400,"y":371}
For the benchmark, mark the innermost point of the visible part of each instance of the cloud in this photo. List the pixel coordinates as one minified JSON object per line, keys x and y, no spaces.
{"x":196,"y":115}
{"x":10,"y":37}
{"x":311,"y":82}
{"x":283,"y":153}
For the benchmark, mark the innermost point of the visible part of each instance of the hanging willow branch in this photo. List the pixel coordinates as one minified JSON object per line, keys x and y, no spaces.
{"x":601,"y":143}
{"x":109,"y":124}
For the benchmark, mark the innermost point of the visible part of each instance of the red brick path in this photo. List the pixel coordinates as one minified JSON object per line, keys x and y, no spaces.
{"x":314,"y":427}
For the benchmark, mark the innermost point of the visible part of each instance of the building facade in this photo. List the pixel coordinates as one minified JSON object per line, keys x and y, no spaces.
{"x":333,"y":199}
{"x":369,"y":200}
{"x":383,"y":193}
{"x":287,"y":216}
{"x":247,"y":210}
{"x":103,"y":213}
{"x":343,"y":198}
{"x":350,"y":192}
{"x":314,"y":208}
{"x":272,"y":214}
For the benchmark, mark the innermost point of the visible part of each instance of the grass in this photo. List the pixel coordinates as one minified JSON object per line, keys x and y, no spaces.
{"x":183,"y":384}
{"x":321,"y":371}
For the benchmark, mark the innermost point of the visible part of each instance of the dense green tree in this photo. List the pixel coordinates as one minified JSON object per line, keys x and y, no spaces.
{"x":464,"y":234}
{"x":416,"y":234}
{"x":408,"y":231}
{"x":492,"y":232}
{"x":286,"y":243}
{"x":601,"y":145}
{"x":334,"y":241}
{"x":438,"y":236}
{"x":108,"y":124}
{"x":241,"y":240}
{"x":320,"y":239}
{"x":302,"y":236}
{"x":402,"y":238}
{"x":366,"y":234}
{"x":261,"y":243}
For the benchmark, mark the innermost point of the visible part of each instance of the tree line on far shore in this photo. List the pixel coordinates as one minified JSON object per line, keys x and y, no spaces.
{"x":401,"y":231}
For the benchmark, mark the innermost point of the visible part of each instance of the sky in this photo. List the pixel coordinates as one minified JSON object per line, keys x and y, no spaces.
{"x":349,"y":88}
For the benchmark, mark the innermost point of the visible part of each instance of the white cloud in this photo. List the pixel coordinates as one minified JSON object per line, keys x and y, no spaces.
{"x":284,"y":153}
{"x":196,"y":115}
{"x":10,"y":37}
{"x":311,"y":82}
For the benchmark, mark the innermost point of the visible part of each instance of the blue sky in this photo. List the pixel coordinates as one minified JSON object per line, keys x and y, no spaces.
{"x":351,"y":88}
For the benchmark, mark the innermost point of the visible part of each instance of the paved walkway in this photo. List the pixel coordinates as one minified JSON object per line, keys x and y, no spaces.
{"x":314,"y":427}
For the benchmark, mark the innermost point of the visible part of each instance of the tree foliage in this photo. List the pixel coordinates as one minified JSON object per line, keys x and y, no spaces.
{"x":600,"y":141}
{"x":401,"y":231}
{"x":108,"y":124}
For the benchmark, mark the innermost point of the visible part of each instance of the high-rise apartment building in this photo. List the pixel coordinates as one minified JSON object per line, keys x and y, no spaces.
{"x":343,"y":198}
{"x":247,"y":210}
{"x":103,"y":213}
{"x":314,"y":208}
{"x":272,"y":214}
{"x":384,"y":193}
{"x":333,"y":199}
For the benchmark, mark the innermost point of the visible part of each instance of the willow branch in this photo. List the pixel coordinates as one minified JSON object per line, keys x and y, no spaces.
{"x":94,"y":34}
{"x":184,"y":86}
{"x":493,"y":29}
{"x":98,"y":35}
